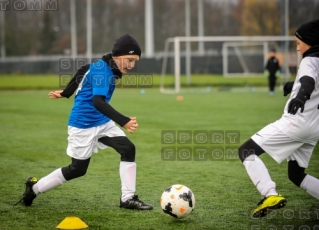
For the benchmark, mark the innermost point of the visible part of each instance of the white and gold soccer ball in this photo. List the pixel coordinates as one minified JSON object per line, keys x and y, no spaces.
{"x":178,"y":201}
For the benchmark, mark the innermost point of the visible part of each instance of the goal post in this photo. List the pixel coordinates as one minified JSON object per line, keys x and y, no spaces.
{"x":235,"y":45}
{"x":227,"y":41}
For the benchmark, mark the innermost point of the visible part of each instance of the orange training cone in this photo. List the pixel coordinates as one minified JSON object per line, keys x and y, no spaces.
{"x":179,"y":98}
{"x":72,"y":222}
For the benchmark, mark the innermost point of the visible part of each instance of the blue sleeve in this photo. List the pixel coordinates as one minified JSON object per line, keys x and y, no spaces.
{"x":100,"y":77}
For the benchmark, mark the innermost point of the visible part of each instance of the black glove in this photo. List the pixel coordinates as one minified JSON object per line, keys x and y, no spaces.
{"x":295,"y":104}
{"x":288,"y":87}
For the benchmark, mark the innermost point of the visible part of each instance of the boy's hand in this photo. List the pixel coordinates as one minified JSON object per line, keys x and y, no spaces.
{"x":295,"y":104}
{"x":56,"y":94}
{"x":132,"y":125}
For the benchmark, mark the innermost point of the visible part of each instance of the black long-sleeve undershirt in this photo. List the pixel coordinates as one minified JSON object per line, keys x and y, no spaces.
{"x":75,"y":81}
{"x":306,"y":88}
{"x":105,"y":108}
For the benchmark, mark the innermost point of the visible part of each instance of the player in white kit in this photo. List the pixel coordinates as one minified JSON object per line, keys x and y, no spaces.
{"x":295,"y":135}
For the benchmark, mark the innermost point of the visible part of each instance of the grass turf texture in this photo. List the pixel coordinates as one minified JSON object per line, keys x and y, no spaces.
{"x":34,"y":140}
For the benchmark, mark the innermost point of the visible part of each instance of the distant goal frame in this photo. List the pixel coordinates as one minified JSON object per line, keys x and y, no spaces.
{"x":176,"y":41}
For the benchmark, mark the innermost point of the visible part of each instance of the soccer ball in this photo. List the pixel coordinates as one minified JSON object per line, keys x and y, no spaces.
{"x":178,"y":201}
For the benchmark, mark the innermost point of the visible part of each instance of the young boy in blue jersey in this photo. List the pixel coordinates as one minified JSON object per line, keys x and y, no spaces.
{"x":92,"y":124}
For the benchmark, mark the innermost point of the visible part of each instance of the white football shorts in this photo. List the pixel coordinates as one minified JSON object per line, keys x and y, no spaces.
{"x":82,"y":143}
{"x":280,"y":146}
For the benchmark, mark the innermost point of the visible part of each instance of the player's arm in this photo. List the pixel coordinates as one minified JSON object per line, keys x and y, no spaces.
{"x":105,"y":108}
{"x":305,"y":91}
{"x":101,"y":82}
{"x":266,"y":70}
{"x":72,"y":86}
{"x":278,"y":69}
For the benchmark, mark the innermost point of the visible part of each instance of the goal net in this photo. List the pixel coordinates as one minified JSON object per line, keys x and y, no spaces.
{"x":185,"y":59}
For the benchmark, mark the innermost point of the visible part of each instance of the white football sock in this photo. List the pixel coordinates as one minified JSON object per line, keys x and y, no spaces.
{"x":128,"y":179}
{"x":259,"y":175}
{"x":311,"y":185}
{"x":49,"y":182}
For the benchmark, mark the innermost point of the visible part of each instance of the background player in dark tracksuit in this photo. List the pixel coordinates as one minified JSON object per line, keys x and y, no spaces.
{"x":272,"y":69}
{"x":91,"y":124}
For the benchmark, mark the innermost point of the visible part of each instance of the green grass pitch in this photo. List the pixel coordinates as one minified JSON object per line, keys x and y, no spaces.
{"x":53,"y":81}
{"x":34,"y":140}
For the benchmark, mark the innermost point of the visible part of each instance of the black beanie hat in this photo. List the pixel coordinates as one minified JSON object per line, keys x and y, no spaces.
{"x":126,"y":45}
{"x":309,"y":33}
